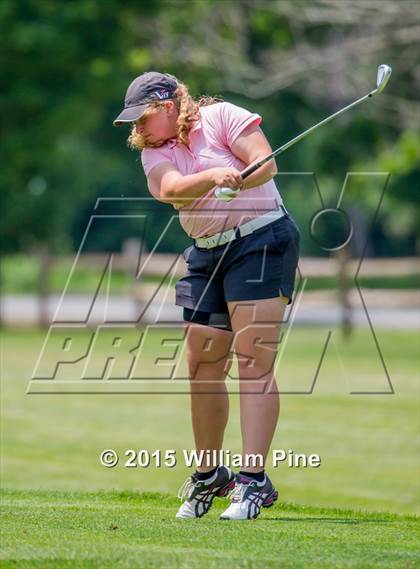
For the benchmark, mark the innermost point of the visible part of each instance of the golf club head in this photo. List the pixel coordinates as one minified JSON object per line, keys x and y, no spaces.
{"x":382,"y":78}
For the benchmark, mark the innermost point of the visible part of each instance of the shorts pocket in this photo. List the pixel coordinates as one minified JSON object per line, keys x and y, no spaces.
{"x":198,"y":261}
{"x":284,"y":234}
{"x":186,"y":254}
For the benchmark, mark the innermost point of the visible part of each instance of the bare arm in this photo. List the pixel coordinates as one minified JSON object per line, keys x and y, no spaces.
{"x":168,"y":185}
{"x":250,"y":146}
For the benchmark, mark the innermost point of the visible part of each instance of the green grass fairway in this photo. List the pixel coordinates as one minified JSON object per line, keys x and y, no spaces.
{"x":62,"y":508}
{"x":54,"y":530}
{"x":368,"y":444}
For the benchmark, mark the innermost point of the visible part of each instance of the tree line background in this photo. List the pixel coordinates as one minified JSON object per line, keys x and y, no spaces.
{"x":66,"y":65}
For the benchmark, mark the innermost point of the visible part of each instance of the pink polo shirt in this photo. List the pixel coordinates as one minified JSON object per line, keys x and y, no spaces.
{"x":210,"y":140}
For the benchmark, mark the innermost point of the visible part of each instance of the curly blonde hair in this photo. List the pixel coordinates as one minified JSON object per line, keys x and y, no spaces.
{"x":188,"y":113}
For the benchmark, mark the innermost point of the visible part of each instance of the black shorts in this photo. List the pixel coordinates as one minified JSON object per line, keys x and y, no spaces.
{"x":258,"y":266}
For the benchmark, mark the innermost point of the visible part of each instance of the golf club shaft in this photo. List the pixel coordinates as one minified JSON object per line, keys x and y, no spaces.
{"x":251,"y":169}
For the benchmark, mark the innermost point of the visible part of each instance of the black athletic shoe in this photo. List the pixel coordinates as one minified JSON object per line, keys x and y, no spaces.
{"x":201,"y":493}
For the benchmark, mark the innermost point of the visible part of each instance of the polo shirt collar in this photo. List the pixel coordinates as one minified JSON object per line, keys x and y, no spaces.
{"x":196,"y":126}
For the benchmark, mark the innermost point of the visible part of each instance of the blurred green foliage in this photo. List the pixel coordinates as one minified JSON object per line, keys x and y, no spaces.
{"x":66,"y":66}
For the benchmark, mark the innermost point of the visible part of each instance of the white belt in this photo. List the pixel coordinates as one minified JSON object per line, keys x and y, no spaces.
{"x":243,"y":230}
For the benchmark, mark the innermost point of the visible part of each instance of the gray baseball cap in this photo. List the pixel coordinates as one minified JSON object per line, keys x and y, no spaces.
{"x":148,"y":87}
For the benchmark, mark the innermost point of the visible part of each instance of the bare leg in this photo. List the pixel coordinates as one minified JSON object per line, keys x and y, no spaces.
{"x":208,"y":363}
{"x":257,"y":325}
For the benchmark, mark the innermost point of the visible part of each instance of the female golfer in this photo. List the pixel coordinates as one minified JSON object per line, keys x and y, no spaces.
{"x":241,"y":273}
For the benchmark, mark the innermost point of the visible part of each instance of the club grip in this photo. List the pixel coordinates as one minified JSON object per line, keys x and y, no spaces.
{"x":251,"y":169}
{"x":227,"y":194}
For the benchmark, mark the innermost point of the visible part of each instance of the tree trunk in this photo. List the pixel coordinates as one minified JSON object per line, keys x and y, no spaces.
{"x":342,"y":257}
{"x":45,"y":261}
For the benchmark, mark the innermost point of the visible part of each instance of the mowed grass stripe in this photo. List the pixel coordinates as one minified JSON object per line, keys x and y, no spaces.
{"x":128,"y":529}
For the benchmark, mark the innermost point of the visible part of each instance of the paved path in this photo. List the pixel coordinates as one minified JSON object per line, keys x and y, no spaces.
{"x":315,"y":308}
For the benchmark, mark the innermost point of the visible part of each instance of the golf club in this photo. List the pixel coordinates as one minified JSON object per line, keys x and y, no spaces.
{"x":383,"y":75}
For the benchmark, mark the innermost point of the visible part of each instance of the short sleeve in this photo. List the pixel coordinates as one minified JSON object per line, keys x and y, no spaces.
{"x":151,"y":157}
{"x":235,"y":120}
